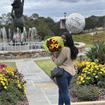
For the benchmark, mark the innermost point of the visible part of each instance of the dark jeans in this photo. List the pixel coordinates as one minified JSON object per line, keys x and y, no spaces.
{"x":63,"y":82}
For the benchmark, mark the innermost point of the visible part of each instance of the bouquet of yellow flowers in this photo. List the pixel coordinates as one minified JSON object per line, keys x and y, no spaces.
{"x":53,"y":44}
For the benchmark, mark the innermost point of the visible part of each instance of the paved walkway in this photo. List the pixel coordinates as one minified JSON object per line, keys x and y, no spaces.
{"x":40,"y":89}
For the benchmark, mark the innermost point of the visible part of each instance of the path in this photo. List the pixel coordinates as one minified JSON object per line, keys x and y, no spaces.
{"x":40,"y":89}
{"x":95,"y":32}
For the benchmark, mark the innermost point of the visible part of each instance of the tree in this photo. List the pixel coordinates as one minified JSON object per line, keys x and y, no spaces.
{"x":6,"y":19}
{"x":34,"y":16}
{"x":42,"y":28}
{"x":50,"y":23}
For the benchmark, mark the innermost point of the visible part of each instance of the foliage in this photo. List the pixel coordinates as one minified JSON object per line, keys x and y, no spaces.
{"x":15,"y":91}
{"x":80,"y":58}
{"x":8,"y":76}
{"x":92,"y":54}
{"x":90,"y":73}
{"x":47,"y":26}
{"x":84,"y":93}
{"x":2,"y":65}
{"x":39,"y":38}
{"x":41,"y":26}
{"x":10,"y":96}
{"x":11,"y":86}
{"x":97,"y":52}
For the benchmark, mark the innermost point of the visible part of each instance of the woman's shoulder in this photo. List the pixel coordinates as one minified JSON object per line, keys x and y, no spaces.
{"x":66,"y":48}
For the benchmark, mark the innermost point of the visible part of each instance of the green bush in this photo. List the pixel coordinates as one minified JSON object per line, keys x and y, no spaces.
{"x":97,"y":52}
{"x":15,"y":91}
{"x":85,"y":93}
{"x":11,"y":86}
{"x":7,"y":97}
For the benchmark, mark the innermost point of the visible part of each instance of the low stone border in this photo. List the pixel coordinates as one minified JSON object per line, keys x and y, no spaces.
{"x":23,"y":54}
{"x":89,"y":103}
{"x":31,"y":53}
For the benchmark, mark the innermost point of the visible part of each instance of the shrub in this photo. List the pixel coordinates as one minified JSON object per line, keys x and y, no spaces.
{"x":8,"y":97}
{"x":84,"y":93}
{"x":11,"y":86}
{"x":15,"y":91}
{"x":8,"y":76}
{"x":97,"y":52}
{"x":80,"y":58}
{"x":90,"y":73}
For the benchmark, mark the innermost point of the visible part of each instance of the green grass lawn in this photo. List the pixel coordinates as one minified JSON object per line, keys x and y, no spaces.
{"x":89,"y":45}
{"x":10,"y":64}
{"x":47,"y":64}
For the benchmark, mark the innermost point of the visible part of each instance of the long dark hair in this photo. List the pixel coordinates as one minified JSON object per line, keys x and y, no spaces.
{"x":70,"y":44}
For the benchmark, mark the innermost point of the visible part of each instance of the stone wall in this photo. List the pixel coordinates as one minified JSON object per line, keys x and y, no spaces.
{"x":28,"y":54}
{"x":23,"y":54}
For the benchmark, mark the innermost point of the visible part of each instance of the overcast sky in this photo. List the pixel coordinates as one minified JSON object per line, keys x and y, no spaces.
{"x":56,"y":8}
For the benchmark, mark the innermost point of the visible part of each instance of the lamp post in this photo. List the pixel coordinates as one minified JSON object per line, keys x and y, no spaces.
{"x":65,"y":15}
{"x":62,"y":22}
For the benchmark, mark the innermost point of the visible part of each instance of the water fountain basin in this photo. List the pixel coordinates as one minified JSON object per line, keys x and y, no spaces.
{"x":38,"y":51}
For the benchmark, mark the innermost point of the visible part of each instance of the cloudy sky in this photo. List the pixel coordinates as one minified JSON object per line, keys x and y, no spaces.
{"x":56,"y":8}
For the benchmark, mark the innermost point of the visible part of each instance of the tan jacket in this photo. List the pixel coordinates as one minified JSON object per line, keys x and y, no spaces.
{"x":64,"y":60}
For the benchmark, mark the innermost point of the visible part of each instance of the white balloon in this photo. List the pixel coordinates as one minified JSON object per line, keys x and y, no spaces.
{"x":75,"y":23}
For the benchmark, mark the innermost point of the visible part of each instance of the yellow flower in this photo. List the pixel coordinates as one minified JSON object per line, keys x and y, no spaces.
{"x":3,"y":83}
{"x":87,"y":77}
{"x":100,"y":72}
{"x":96,"y":76}
{"x":83,"y":81}
{"x":51,"y":46}
{"x":54,"y":40}
{"x":88,"y":72}
{"x":5,"y":87}
{"x":82,"y":78}
{"x":94,"y":73}
{"x":56,"y":45}
{"x":84,"y":75}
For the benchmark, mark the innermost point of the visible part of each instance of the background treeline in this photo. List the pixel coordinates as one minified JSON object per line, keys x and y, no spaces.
{"x":46,"y":27}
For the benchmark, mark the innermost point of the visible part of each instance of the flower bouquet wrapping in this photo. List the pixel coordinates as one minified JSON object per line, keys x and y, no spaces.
{"x":53,"y":44}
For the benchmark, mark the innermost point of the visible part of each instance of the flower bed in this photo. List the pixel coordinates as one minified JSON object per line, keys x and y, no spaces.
{"x":11,"y":86}
{"x":89,"y":81}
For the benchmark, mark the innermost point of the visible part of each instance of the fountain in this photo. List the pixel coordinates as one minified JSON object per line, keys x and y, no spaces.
{"x":30,"y":43}
{"x":30,"y":48}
